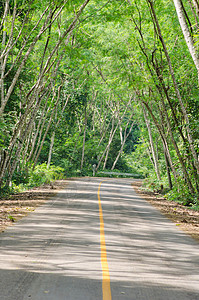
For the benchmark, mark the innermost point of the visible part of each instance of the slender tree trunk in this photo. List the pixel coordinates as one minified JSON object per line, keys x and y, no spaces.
{"x":150,"y":154}
{"x":3,"y":60}
{"x":189,"y":183}
{"x":103,"y":133}
{"x":168,"y":168}
{"x":53,"y":134}
{"x":23,"y":158}
{"x":161,"y":132}
{"x":196,"y":6}
{"x":30,"y":112}
{"x":37,"y":130}
{"x":43,"y":29}
{"x":84,"y":138}
{"x":162,"y":88}
{"x":109,"y":144}
{"x":194,"y":14}
{"x":123,"y":141}
{"x":189,"y":135}
{"x":38,"y":134}
{"x":18,"y":72}
{"x":11,"y":167}
{"x":19,"y":134}
{"x":39,"y":85}
{"x":107,"y":147}
{"x":121,"y":136}
{"x":185,"y":29}
{"x":94,"y":107}
{"x":51,"y":149}
{"x":167,"y":154}
{"x":47,"y":128}
{"x":155,"y":160}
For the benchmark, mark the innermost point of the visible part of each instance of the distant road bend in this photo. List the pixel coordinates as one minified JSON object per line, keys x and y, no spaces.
{"x":98,"y":240}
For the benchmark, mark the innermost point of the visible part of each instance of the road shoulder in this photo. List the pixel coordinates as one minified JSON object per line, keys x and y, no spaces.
{"x":16,"y":206}
{"x":185,"y":218}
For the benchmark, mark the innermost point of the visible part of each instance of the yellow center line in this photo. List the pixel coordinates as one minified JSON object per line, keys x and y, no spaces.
{"x":106,"y":287}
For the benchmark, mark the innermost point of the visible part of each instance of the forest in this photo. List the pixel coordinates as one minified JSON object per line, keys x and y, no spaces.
{"x":100,"y":86}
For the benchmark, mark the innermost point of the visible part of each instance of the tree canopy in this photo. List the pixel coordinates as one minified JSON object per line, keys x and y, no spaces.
{"x":107,"y":83}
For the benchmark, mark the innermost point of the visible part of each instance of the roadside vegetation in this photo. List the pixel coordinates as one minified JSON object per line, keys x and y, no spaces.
{"x":100,"y":86}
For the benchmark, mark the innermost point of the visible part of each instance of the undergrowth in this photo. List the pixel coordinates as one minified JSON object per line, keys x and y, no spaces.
{"x":41,"y":174}
{"x":179,"y":193}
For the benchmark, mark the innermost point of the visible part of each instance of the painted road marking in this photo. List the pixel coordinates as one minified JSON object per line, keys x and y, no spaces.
{"x":106,"y":287}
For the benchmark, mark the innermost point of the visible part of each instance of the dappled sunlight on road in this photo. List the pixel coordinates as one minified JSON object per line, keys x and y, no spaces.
{"x":152,"y":244}
{"x":148,"y":256}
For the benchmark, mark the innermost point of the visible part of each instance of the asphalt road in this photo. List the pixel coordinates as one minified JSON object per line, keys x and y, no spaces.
{"x":94,"y":242}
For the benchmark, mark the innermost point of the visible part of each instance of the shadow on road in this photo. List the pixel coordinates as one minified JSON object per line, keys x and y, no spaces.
{"x":54,"y":253}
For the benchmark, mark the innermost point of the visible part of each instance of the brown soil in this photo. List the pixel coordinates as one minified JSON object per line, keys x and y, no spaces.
{"x":187,"y":219}
{"x":19,"y":205}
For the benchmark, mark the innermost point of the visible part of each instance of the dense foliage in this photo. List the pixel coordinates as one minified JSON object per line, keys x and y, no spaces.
{"x":111,"y":84}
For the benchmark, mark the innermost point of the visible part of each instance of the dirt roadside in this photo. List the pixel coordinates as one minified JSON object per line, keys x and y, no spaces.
{"x":185,"y":218}
{"x":19,"y":205}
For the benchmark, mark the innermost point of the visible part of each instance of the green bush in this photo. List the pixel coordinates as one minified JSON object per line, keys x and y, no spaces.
{"x":182,"y":195}
{"x":42,"y":174}
{"x":5,"y":191}
{"x":20,"y":176}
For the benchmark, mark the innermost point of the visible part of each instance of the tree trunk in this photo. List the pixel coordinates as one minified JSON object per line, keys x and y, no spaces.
{"x":51,"y":149}
{"x":123,"y":141}
{"x":109,"y":144}
{"x":47,"y":128}
{"x":37,"y":130}
{"x":196,"y":6}
{"x":103,"y":133}
{"x":53,"y":134}
{"x":84,"y":138}
{"x":190,"y":139}
{"x":185,"y":29}
{"x":38,"y":134}
{"x":11,"y":167}
{"x":19,"y":134}
{"x":46,"y":24}
{"x":107,"y":147}
{"x":161,"y":132}
{"x":155,"y":160}
{"x":185,"y":173}
{"x":195,"y":14}
{"x":168,"y":168}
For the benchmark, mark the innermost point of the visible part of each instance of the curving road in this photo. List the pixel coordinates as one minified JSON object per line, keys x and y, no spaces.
{"x":98,"y":240}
